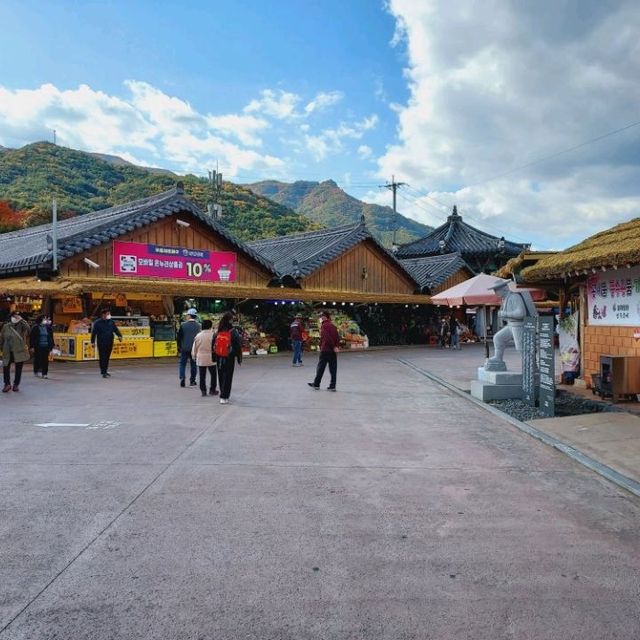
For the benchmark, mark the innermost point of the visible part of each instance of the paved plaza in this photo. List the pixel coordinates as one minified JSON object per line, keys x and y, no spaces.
{"x":393,"y":509}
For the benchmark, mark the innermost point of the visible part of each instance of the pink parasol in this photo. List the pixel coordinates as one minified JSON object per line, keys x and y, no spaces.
{"x":477,"y":291}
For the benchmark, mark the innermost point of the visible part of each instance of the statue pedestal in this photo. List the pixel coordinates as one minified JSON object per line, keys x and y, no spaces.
{"x":496,"y":385}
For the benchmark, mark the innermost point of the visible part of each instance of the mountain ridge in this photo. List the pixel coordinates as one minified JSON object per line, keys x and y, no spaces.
{"x":81,"y":182}
{"x":327,"y":204}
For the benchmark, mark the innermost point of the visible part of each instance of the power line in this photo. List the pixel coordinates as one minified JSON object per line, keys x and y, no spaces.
{"x":556,"y":154}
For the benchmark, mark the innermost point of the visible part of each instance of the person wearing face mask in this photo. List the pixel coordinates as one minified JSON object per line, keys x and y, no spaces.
{"x":41,"y":343}
{"x":15,"y":350}
{"x":102,"y":334}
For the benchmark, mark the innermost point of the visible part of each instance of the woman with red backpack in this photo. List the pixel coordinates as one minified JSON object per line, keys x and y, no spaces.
{"x":227,"y":348}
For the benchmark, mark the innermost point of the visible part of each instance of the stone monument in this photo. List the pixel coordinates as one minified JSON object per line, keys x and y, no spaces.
{"x":494,"y":381}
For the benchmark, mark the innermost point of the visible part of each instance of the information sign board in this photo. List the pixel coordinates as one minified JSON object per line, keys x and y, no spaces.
{"x":529,"y":352}
{"x":547,"y":366}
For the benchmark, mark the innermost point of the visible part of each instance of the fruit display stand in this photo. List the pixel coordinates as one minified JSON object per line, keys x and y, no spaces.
{"x":75,"y":344}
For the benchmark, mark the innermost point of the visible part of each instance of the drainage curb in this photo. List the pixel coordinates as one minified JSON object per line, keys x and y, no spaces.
{"x":601,"y":469}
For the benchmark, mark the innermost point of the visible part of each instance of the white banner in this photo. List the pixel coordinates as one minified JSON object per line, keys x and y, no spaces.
{"x":569,"y":345}
{"x":614,"y":297}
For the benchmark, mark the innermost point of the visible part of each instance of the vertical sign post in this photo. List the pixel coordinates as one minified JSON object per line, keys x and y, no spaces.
{"x":529,"y":352}
{"x":547,"y":366}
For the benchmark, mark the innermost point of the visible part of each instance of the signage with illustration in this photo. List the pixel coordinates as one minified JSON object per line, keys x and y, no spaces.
{"x":134,"y":259}
{"x":614,"y":297}
{"x":569,"y":345}
{"x":72,"y":304}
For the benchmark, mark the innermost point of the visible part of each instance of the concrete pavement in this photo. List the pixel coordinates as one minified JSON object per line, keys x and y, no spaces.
{"x":391,"y":509}
{"x":610,"y":439}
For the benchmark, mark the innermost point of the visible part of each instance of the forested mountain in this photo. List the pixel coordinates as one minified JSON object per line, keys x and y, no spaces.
{"x":327,"y":204}
{"x":81,"y":182}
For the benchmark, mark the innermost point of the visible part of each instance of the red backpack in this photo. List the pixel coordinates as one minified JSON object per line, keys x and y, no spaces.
{"x":222,"y":345}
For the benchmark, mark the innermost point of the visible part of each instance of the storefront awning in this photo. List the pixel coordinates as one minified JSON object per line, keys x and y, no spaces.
{"x":211,"y":290}
{"x":69,"y":286}
{"x":29,"y":285}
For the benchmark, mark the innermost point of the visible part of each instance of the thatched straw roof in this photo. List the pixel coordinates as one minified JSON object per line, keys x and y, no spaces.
{"x":516,"y":265}
{"x":614,"y":247}
{"x":73,"y":286}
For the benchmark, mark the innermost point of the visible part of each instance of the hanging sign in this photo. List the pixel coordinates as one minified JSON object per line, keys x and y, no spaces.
{"x":569,"y":344}
{"x":137,"y":260}
{"x":613,"y":297}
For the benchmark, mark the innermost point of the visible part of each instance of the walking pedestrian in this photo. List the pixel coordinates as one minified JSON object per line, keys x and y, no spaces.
{"x":329,"y":341}
{"x":444,"y":330}
{"x":202,"y":352}
{"x":186,"y":335}
{"x":102,"y":334}
{"x":40,"y":344}
{"x":295,"y":334}
{"x":454,"y":327}
{"x":227,"y":349}
{"x":15,"y":350}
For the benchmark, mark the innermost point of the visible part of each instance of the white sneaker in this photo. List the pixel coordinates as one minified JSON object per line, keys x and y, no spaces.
{"x":224,"y":401}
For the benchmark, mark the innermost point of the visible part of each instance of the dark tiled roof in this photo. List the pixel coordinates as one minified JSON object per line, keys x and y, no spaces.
{"x":300,"y":254}
{"x":431,"y":271}
{"x":460,"y":237}
{"x":26,"y":250}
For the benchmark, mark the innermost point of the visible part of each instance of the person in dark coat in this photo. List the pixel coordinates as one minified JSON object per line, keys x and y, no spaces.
{"x":453,"y":332}
{"x":40,"y":344}
{"x":295,"y":334}
{"x":329,"y":341}
{"x":186,"y":335}
{"x":102,"y":334}
{"x":14,"y":349}
{"x":227,"y":348}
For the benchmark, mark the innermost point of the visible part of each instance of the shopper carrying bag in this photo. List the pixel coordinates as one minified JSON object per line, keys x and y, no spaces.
{"x":227,"y":349}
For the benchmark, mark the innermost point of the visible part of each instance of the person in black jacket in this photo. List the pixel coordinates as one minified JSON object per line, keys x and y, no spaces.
{"x":227,"y":348}
{"x":40,"y":345}
{"x":102,"y":334}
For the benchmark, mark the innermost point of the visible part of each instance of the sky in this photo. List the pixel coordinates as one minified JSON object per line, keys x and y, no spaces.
{"x":525,"y":115}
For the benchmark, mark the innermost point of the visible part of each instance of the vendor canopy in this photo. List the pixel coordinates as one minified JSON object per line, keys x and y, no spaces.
{"x":477,"y":291}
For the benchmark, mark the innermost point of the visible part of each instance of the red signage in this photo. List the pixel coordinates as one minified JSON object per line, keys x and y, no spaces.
{"x":137,"y":260}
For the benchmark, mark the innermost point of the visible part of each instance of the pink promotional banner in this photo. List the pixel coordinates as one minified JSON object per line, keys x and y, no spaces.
{"x":134,"y":259}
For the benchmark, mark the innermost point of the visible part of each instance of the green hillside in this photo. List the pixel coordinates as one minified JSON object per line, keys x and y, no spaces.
{"x":327,"y":204}
{"x":81,"y":182}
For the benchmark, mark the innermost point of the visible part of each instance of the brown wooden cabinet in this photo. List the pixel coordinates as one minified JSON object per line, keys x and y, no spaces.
{"x":619,"y":376}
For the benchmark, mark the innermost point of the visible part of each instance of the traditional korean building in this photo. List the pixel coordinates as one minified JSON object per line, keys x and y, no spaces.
{"x":481,"y":251}
{"x":146,"y":259}
{"x":437,"y":273}
{"x":343,"y":263}
{"x":600,"y":278}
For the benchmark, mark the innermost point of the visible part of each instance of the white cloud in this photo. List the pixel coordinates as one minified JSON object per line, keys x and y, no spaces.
{"x":332,"y":140}
{"x":149,"y":127}
{"x":496,"y":85}
{"x":365,"y":152}
{"x":322,"y":101}
{"x":277,"y":104}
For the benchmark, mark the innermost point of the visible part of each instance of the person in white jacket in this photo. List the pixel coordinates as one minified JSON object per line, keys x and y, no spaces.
{"x":202,"y":353}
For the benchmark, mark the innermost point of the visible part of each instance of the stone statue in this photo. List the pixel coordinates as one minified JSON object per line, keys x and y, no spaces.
{"x":513,"y":310}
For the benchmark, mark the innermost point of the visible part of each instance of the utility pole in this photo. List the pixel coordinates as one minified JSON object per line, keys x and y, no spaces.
{"x":214,"y":208}
{"x":54,"y":136}
{"x":54,"y":232}
{"x":393,"y":185}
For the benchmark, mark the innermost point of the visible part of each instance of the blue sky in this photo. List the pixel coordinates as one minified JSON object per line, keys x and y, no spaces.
{"x":219,"y":57}
{"x":446,"y":96}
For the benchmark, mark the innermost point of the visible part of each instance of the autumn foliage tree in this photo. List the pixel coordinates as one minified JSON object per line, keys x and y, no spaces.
{"x":11,"y":220}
